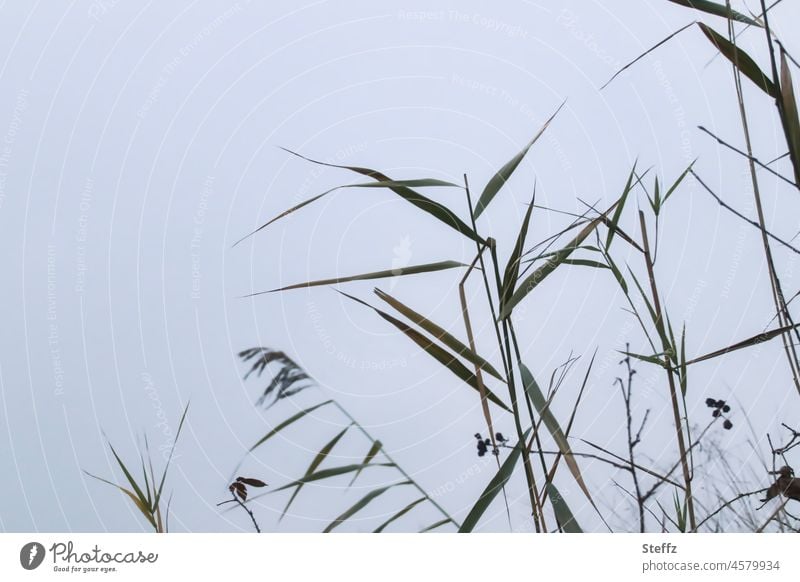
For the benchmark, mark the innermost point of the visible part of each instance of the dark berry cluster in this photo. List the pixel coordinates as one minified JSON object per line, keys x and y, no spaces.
{"x":720,"y":409}
{"x":485,"y":444}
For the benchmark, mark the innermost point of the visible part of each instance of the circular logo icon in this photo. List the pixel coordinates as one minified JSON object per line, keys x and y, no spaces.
{"x":31,"y":555}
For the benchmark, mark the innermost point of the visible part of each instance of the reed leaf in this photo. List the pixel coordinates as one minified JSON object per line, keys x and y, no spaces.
{"x":157,"y":500}
{"x":399,"y":514}
{"x":717,"y":10}
{"x":753,"y":341}
{"x":441,"y":355}
{"x":502,"y":176}
{"x":373,"y":450}
{"x":399,"y":272}
{"x":441,"y":334}
{"x":429,"y":206}
{"x":329,"y":473}
{"x":543,"y":408}
{"x":316,"y":461}
{"x":289,"y":421}
{"x":361,"y":504}
{"x":790,"y":118}
{"x":433,"y":526}
{"x":612,"y":228}
{"x":512,"y":268}
{"x":741,"y":60}
{"x":142,"y":507}
{"x":564,"y":514}
{"x":390,"y":184}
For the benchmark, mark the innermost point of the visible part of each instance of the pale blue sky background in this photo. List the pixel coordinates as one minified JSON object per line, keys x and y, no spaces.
{"x":139,"y":142}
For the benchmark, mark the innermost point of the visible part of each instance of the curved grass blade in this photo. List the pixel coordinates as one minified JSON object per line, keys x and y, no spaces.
{"x":419,"y":183}
{"x":437,"y":352}
{"x":328,"y":473}
{"x":391,"y":184}
{"x":617,"y":275}
{"x":291,"y":420}
{"x":717,"y":10}
{"x":791,"y":122}
{"x":399,"y":272}
{"x":753,"y":341}
{"x":433,"y":208}
{"x":612,"y":228}
{"x":136,"y":501}
{"x":373,"y":450}
{"x":677,"y":183}
{"x":320,"y":456}
{"x":649,"y":359}
{"x":539,"y":275}
{"x":543,"y":408}
{"x":682,"y":367}
{"x":502,"y":176}
{"x":586,"y":263}
{"x":142,"y":497}
{"x":645,"y":53}
{"x":361,"y":504}
{"x":563,"y":513}
{"x":441,"y":334}
{"x":741,"y":60}
{"x":493,"y":488}
{"x":512,"y":268}
{"x":169,"y":459}
{"x":399,"y":514}
{"x":433,"y":526}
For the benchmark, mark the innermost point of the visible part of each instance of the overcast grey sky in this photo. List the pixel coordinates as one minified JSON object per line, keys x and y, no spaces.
{"x":139,"y":142}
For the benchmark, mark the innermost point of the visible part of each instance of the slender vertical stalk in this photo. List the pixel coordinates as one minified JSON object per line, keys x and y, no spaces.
{"x":479,"y":373}
{"x":505,"y":350}
{"x":673,"y":392}
{"x":784,"y":316}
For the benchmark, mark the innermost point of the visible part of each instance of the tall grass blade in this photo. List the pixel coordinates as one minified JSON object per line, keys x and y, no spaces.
{"x":677,"y":182}
{"x":316,"y":461}
{"x":612,"y":229}
{"x":494,"y":487}
{"x":399,"y":514}
{"x":361,"y":504}
{"x":373,"y":450}
{"x":717,"y":10}
{"x":134,"y":485}
{"x":586,"y":263}
{"x":437,"y":352}
{"x":329,"y":473}
{"x":564,"y":514}
{"x":502,"y":176}
{"x":391,"y":184}
{"x":790,"y":117}
{"x":289,"y":421}
{"x":399,"y":272}
{"x":441,"y":334}
{"x":433,"y":208}
{"x":645,"y":53}
{"x":512,"y":268}
{"x":741,"y":60}
{"x":543,"y":408}
{"x":136,"y":501}
{"x":433,"y":526}
{"x":157,"y":499}
{"x":753,"y":341}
